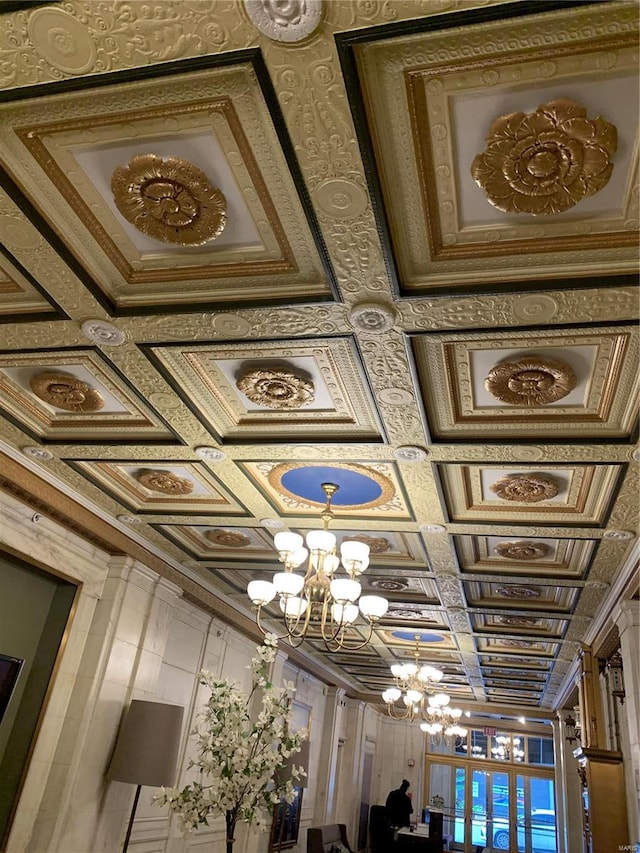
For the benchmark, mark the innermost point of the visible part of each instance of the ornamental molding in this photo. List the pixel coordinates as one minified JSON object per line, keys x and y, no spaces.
{"x":372,"y":317}
{"x":65,"y":391}
{"x":210,"y":454}
{"x":169,"y":199}
{"x":522,"y":550}
{"x":545,"y":162}
{"x":408,"y":453}
{"x":276,"y":389}
{"x":103,"y":333}
{"x":286,"y":21}
{"x":524,"y":488}
{"x":164,"y":481}
{"x":39,"y":453}
{"x":518,"y":621}
{"x":531,"y":381}
{"x":227,"y":538}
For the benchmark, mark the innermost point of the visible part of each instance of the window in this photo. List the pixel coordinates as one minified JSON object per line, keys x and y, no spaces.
{"x":540,"y":750}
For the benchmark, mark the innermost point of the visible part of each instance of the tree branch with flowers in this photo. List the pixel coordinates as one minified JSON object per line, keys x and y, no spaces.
{"x":239,"y":753}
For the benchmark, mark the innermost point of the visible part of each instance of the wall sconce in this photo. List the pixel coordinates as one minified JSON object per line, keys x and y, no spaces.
{"x":570,"y":729}
{"x":616,"y":680}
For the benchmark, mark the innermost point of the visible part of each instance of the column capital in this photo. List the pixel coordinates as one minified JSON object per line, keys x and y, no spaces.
{"x":626,"y":614}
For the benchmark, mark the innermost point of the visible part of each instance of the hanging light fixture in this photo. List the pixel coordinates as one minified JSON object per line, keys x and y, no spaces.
{"x":416,"y":692}
{"x":507,"y":748}
{"x":332,"y":606}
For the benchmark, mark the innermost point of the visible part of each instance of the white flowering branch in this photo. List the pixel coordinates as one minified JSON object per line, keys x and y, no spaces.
{"x":238,"y":758}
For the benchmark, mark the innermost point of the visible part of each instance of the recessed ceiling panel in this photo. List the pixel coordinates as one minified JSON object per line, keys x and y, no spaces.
{"x":282,"y":390}
{"x":572,"y":494}
{"x":171,"y":191}
{"x":524,"y":557}
{"x":577,"y":384}
{"x":435,"y":101}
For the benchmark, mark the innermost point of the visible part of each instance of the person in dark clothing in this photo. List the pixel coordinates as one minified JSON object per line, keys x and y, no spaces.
{"x":399,"y":806}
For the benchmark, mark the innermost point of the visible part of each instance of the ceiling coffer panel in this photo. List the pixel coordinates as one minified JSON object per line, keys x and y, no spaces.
{"x":171,"y":191}
{"x":498,"y":161}
{"x":578,"y":384}
{"x":283,"y":389}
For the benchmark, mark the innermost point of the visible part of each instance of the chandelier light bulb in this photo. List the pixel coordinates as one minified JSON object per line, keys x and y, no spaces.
{"x":344,"y":614}
{"x":296,"y":558}
{"x":287,"y":542}
{"x":320,"y":541}
{"x":391,"y":694}
{"x":373,"y":607}
{"x":286,"y":583}
{"x":344,"y":589}
{"x":412,"y":697}
{"x":293,"y":606}
{"x":397,"y":670}
{"x":261,"y":592}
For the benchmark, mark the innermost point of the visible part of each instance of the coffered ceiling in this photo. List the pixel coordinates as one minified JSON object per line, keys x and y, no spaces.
{"x":252,"y":247}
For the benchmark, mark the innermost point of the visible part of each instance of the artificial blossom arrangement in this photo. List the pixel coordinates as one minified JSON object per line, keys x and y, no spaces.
{"x":240,"y":749}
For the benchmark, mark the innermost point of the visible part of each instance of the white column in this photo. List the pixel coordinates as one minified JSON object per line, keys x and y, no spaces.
{"x":327,"y":764}
{"x":569,"y":806}
{"x":626,"y":615}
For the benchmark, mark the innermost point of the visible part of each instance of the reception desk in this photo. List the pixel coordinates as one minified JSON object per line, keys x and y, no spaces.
{"x":418,"y":840}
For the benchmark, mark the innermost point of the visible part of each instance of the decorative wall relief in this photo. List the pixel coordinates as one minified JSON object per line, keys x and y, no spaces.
{"x":526,"y":488}
{"x":522,"y":550}
{"x":66,"y":392}
{"x":169,"y":199}
{"x":547,"y":161}
{"x":165,"y":482}
{"x":531,"y":381}
{"x":277,"y":389}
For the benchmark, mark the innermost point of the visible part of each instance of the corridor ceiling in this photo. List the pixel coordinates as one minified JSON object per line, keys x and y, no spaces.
{"x":249,"y":247}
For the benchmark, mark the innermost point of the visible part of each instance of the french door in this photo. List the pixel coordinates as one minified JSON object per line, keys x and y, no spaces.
{"x":493,"y":807}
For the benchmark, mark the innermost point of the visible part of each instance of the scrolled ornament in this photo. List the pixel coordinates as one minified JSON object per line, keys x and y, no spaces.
{"x":524,"y":488}
{"x":547,"y":161}
{"x":531,"y":381}
{"x":165,"y":482}
{"x":169,"y":199}
{"x":65,"y":391}
{"x":277,"y":389}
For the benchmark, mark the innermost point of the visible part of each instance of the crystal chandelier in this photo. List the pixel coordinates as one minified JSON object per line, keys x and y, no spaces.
{"x":316,"y":600}
{"x":507,"y":748}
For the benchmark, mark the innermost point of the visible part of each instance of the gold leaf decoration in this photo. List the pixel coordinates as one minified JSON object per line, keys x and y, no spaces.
{"x":531,"y":381}
{"x":519,"y":644}
{"x":277,"y":389}
{"x":169,"y":199}
{"x":524,"y":488}
{"x":377,"y":544}
{"x":164,"y":481}
{"x":522,"y":550}
{"x":547,"y":161}
{"x":227,"y":538}
{"x":66,"y":392}
{"x":518,"y":592}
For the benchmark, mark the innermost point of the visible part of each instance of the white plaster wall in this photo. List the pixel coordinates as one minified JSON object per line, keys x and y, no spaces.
{"x":398,"y":743}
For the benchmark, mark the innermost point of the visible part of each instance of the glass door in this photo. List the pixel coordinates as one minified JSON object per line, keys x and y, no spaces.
{"x":536,"y":814}
{"x":489,"y":825}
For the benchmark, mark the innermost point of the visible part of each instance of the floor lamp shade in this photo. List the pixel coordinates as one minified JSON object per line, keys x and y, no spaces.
{"x":146,"y":751}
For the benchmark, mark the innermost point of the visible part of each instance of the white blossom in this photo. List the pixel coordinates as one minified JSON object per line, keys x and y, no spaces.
{"x":237,"y":756}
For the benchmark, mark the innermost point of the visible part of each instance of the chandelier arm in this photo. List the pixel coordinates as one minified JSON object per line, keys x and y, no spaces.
{"x":266,"y":631}
{"x":344,"y":646}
